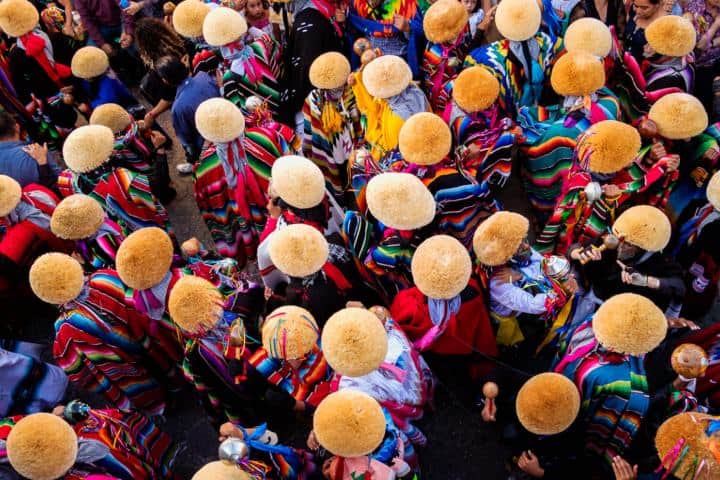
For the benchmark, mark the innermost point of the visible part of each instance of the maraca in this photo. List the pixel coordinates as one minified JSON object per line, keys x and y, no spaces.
{"x":610,"y":241}
{"x":689,"y":361}
{"x":490,"y":392}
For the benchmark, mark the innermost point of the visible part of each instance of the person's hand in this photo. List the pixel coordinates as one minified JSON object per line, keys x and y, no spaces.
{"x":228,"y":430}
{"x":623,"y":470}
{"x":633,"y":278}
{"x":274,"y":210}
{"x":657,"y":151}
{"x":530,"y":464}
{"x":340,"y":15}
{"x":585,"y":255}
{"x":69,"y":29}
{"x":699,"y":175}
{"x":312,"y":442}
{"x":268,"y":293}
{"x":648,"y":51}
{"x":107,"y":48}
{"x":401,"y":23}
{"x":489,"y":411}
{"x":149,"y":119}
{"x":487,"y":19}
{"x":68,"y":98}
{"x":672,"y":162}
{"x":506,"y":274}
{"x":351,"y":80}
{"x":610,"y":190}
{"x":134,"y":8}
{"x":570,"y":286}
{"x":354,"y":304}
{"x":675,"y":322}
{"x":38,"y":153}
{"x":59,"y":410}
{"x":126,"y":40}
{"x":680,"y":384}
{"x":157,"y":138}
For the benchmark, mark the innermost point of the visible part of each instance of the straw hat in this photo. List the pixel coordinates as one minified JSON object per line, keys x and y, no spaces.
{"x":441,"y":267}
{"x":475,"y":89}
{"x":671,"y":35}
{"x":195,"y":304}
{"x":498,"y":238}
{"x":42,"y":446}
{"x":400,"y":201}
{"x":713,"y":190}
{"x":298,"y":250}
{"x":88,"y":147}
{"x":298,"y":181}
{"x":629,"y":323}
{"x":679,"y":116}
{"x":691,"y":428}
{"x":144,"y":258}
{"x":289,"y":333}
{"x":18,"y":17}
{"x":188,"y":17}
{"x":89,"y":62}
{"x":609,"y":146}
{"x":349,"y":423}
{"x":111,"y":115}
{"x":386,"y":76}
{"x":219,"y":120}
{"x":425,"y":138}
{"x":329,"y":71}
{"x":645,"y":227}
{"x":444,"y":21}
{"x":518,"y":20}
{"x":10,"y":195}
{"x":56,"y":278}
{"x":76,"y":217}
{"x":220,"y":470}
{"x":223,"y":25}
{"x":354,"y":342}
{"x":577,"y":74}
{"x":547,"y":404}
{"x":588,"y":35}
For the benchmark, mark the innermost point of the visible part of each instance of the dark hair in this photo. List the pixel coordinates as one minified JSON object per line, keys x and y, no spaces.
{"x":155,"y":39}
{"x":172,"y":70}
{"x":7,"y":124}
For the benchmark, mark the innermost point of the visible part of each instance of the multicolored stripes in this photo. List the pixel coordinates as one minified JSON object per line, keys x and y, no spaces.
{"x":613,"y":390}
{"x":550,"y":138}
{"x":103,"y":357}
{"x":260,"y":76}
{"x":330,"y":150}
{"x":309,"y":383}
{"x":235,"y":235}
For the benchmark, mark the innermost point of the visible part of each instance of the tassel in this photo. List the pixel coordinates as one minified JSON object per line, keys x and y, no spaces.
{"x":332,"y":122}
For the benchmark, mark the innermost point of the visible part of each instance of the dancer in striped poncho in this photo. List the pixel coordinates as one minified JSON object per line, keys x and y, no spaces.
{"x":585,"y":208}
{"x":331,"y":120}
{"x":483,"y":140}
{"x":125,"y":195}
{"x":445,"y":24}
{"x":227,"y":190}
{"x":604,"y":358}
{"x":250,"y":66}
{"x":463,"y":200}
{"x":550,"y":133}
{"x":669,"y":69}
{"x":522,"y":60}
{"x":214,"y":337}
{"x":101,"y":353}
{"x":88,"y":443}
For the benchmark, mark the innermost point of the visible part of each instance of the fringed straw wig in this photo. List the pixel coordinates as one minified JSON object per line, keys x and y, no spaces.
{"x":289,"y":333}
{"x":354,"y":342}
{"x":144,"y":258}
{"x":42,"y":446}
{"x":644,"y":226}
{"x":498,"y":238}
{"x":400,"y":201}
{"x":425,"y":138}
{"x":547,"y":404}
{"x":76,"y":217}
{"x":441,"y":267}
{"x":588,"y":35}
{"x":56,"y":278}
{"x":298,"y":250}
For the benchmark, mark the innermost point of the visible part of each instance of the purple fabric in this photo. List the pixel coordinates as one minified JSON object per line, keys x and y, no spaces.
{"x":103,"y":13}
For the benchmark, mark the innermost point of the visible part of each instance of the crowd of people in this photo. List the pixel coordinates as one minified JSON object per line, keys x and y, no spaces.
{"x":350,"y":162}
